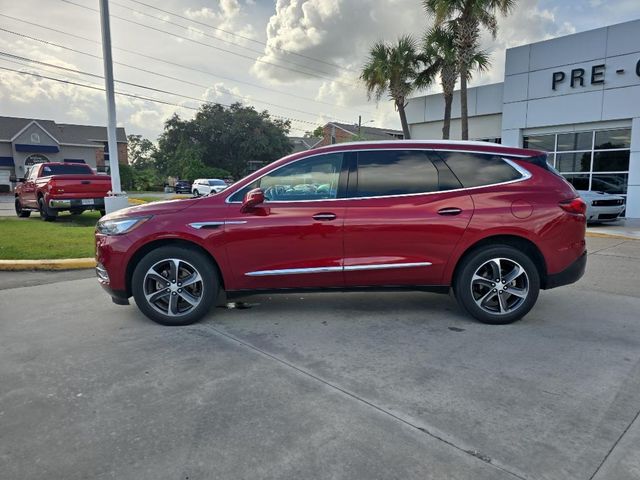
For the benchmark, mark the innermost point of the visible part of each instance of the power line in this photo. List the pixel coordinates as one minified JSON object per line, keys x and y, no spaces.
{"x":126,"y":94}
{"x":150,"y":57}
{"x":335,"y":65}
{"x":149,"y":27}
{"x":241,"y":97}
{"x":135,"y":85}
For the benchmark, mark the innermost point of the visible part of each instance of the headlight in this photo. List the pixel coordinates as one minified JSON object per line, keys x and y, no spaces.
{"x":118,"y":226}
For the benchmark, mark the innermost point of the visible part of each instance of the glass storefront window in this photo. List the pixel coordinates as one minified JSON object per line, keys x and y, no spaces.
{"x":568,"y":142}
{"x":610,"y":183}
{"x":573,"y":162}
{"x":540,"y":142}
{"x":579,"y":182}
{"x":591,"y":160}
{"x":611,"y":161}
{"x":608,"y":139}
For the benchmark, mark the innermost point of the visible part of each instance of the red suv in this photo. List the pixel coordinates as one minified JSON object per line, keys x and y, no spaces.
{"x":495,"y":224}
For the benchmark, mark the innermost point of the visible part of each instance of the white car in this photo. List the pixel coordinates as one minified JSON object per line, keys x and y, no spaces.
{"x":205,"y":186}
{"x":602,"y":207}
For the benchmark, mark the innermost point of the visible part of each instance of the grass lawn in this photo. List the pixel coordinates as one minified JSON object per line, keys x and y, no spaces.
{"x":70,"y":236}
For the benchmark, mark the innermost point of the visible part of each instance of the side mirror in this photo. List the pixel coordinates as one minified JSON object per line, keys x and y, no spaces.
{"x":252,"y":199}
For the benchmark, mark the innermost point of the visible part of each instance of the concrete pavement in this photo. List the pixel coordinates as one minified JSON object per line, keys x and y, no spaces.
{"x":325,"y":385}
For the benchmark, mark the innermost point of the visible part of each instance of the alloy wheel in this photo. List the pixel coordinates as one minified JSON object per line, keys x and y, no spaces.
{"x":173,"y":287}
{"x":500,"y":286}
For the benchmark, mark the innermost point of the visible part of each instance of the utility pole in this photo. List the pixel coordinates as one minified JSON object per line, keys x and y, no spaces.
{"x":116,"y":200}
{"x":359,"y":126}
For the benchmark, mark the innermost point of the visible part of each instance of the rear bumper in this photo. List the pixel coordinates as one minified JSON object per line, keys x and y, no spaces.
{"x":66,"y":203}
{"x":571,"y":274}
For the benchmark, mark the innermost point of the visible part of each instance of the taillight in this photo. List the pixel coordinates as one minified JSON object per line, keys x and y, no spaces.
{"x":576,"y":206}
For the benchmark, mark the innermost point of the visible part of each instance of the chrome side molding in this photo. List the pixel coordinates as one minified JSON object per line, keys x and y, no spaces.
{"x":350,"y":268}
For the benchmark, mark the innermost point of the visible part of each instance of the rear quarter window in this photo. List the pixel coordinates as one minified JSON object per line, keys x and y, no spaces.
{"x":476,"y":170}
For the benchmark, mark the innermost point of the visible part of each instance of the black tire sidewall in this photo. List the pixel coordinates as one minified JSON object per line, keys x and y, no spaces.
{"x":20,"y":212}
{"x":199,"y":261}
{"x":45,"y":213}
{"x":469,"y":266}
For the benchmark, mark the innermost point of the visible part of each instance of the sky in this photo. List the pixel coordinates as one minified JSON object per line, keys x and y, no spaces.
{"x":298,"y":59}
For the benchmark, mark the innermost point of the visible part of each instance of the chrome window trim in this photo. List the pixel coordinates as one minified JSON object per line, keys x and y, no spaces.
{"x":350,"y":268}
{"x":525,"y":175}
{"x":200,"y":225}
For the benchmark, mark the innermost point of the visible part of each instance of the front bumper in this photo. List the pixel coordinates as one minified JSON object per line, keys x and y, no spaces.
{"x":86,"y":203}
{"x":604,"y":214}
{"x":571,"y":274}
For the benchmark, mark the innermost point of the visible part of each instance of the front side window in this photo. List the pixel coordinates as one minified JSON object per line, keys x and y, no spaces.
{"x":395,"y":172}
{"x":314,"y":178}
{"x":476,"y":170}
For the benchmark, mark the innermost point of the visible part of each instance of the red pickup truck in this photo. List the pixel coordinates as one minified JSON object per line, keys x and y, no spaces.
{"x":50,"y":188}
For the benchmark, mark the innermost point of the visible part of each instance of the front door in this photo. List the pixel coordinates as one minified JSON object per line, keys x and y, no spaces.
{"x":294,"y":239}
{"x":28,"y":196}
{"x":402,"y":223}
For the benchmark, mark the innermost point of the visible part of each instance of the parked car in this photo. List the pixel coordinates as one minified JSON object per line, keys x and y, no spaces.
{"x":50,"y":188}
{"x":182,"y":186}
{"x":205,"y":186}
{"x":493,"y":223}
{"x":602,"y":207}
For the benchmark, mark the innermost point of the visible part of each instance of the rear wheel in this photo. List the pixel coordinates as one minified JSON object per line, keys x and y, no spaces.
{"x":20,"y":211}
{"x":497,"y":284}
{"x":175,"y":285}
{"x":46,"y":214}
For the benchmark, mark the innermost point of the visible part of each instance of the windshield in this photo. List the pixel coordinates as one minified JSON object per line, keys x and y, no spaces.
{"x":213,"y":183}
{"x":66,"y":170}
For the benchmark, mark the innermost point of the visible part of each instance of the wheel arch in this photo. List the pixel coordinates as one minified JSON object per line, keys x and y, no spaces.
{"x":163,"y":242}
{"x":515,"y":241}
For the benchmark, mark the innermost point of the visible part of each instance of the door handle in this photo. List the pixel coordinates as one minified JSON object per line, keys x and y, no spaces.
{"x":325,"y":216}
{"x":450,"y":211}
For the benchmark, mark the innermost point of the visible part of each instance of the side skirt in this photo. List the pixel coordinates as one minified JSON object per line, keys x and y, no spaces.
{"x":443,"y":289}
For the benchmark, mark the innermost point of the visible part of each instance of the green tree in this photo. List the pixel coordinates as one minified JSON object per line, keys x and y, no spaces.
{"x":392,"y":69}
{"x":140,"y":151}
{"x":439,"y":47}
{"x":468,"y":17}
{"x":222,"y":137}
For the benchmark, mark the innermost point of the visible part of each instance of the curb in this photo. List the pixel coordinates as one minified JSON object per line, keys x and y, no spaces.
{"x":610,"y":235}
{"x":62,"y":264}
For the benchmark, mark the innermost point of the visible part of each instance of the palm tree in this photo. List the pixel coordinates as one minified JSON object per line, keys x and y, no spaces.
{"x":439,"y":44}
{"x":469,"y":16}
{"x":392,"y":69}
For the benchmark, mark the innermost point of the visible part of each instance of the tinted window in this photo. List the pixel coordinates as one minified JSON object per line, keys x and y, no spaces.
{"x":314,"y":178}
{"x":613,"y":139}
{"x":214,"y":183}
{"x":540,"y":142}
{"x":575,"y":141}
{"x":474,"y":170}
{"x":395,"y":173}
{"x":65,"y":170}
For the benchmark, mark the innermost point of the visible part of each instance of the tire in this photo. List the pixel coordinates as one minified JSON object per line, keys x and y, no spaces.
{"x":103,"y":213}
{"x":172,"y":307}
{"x":480,"y":295}
{"x":196,"y":193}
{"x":46,"y":213}
{"x":20,"y":212}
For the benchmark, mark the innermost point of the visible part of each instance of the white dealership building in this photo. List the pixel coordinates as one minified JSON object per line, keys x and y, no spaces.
{"x":578,"y":97}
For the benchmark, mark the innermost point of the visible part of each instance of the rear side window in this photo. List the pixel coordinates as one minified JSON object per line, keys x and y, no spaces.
{"x":394,"y":172}
{"x":65,"y":170}
{"x":476,"y":170}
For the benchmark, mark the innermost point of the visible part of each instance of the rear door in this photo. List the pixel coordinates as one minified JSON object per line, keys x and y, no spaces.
{"x":28,"y":196}
{"x":406,"y":213}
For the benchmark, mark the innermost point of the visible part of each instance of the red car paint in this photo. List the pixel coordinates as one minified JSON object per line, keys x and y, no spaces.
{"x":365,"y":231}
{"x":63,"y":192}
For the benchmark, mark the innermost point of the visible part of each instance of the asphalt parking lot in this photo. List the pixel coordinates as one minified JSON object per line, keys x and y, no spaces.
{"x":389,"y":386}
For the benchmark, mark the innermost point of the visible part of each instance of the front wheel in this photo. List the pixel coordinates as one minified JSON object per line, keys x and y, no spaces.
{"x":20,"y":212}
{"x":196,"y":193}
{"x":497,"y":284}
{"x":175,"y":285}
